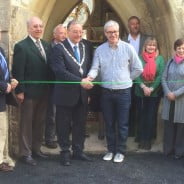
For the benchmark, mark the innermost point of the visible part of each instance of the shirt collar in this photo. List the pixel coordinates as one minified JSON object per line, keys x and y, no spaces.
{"x":115,"y":46}
{"x":34,"y":40}
{"x":130,"y":37}
{"x":72,"y":44}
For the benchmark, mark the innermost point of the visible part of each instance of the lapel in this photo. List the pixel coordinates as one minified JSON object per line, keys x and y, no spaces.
{"x":34,"y":48}
{"x":70,"y":49}
{"x":81,"y":51}
{"x":1,"y":74}
{"x":45,"y":46}
{"x":141,"y":43}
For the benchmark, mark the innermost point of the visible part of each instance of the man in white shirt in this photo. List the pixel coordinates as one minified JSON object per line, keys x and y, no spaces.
{"x":118,"y":64}
{"x":136,"y":39}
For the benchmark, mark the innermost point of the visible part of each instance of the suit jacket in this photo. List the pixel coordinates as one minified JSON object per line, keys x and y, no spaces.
{"x":143,"y":37}
{"x":65,"y":69}
{"x":29,"y":65}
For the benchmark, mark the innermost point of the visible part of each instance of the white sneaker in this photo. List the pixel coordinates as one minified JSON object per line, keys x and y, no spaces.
{"x":108,"y":156}
{"x":118,"y":157}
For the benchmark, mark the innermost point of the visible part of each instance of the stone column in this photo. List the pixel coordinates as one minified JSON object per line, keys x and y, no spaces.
{"x":5,"y":26}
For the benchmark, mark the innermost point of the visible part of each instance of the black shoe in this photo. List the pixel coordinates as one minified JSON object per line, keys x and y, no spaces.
{"x":141,"y":145}
{"x":51,"y":144}
{"x":101,"y":137}
{"x":65,"y":158}
{"x":40,"y":155}
{"x":82,"y":156}
{"x":28,"y":160}
{"x":66,"y":162}
{"x":87,"y":135}
{"x":147,"y":145}
{"x":177,"y":157}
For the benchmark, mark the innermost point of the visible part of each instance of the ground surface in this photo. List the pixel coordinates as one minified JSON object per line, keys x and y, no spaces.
{"x":138,"y":168}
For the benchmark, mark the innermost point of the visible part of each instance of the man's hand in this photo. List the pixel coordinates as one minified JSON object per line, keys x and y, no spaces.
{"x":14,"y":83}
{"x":171,"y":96}
{"x":89,"y":78}
{"x":86,"y":83}
{"x":9,"y":88}
{"x":20,"y":97}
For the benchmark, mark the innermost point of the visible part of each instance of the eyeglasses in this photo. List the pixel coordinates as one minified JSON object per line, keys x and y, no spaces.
{"x":112,"y":32}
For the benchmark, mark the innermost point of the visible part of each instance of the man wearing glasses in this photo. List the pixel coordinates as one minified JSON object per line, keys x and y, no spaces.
{"x":118,"y":64}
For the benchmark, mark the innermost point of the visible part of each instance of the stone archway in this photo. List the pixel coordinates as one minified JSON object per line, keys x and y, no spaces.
{"x":161,"y":18}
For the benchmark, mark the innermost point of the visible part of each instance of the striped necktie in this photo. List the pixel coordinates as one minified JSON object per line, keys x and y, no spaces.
{"x":4,"y":67}
{"x":38,"y":44}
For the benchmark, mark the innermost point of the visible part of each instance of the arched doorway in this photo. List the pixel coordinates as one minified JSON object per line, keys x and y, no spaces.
{"x":158,"y":17}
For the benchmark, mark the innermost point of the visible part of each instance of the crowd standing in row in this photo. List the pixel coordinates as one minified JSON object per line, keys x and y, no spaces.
{"x":69,"y":59}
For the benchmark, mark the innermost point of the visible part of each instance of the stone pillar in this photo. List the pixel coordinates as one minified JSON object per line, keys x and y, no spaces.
{"x":5,"y":24}
{"x":5,"y":14}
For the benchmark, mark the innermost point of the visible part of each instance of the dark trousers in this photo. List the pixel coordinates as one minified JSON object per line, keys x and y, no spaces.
{"x":147,"y":108}
{"x":32,"y":124}
{"x":50,"y":124}
{"x":75,"y":115}
{"x":133,"y":124}
{"x":173,"y":135}
{"x":115,"y":109}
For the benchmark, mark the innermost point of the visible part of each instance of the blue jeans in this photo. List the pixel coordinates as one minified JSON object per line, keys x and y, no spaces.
{"x":115,"y":109}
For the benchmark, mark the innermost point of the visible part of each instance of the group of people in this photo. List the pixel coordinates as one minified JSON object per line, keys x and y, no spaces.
{"x":70,"y":63}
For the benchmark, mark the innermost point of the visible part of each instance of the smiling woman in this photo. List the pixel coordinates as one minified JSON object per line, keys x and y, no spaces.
{"x":147,"y":90}
{"x":173,"y":103}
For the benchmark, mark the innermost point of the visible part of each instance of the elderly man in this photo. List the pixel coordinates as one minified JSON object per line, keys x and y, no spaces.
{"x":30,"y":64}
{"x":70,"y":62}
{"x":59,"y":35}
{"x":118,"y":64}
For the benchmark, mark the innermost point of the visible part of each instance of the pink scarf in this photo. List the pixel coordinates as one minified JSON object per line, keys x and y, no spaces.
{"x":178,"y":59}
{"x":150,"y":66}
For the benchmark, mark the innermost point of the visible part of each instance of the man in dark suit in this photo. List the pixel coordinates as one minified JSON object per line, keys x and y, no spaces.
{"x":70,"y":61}
{"x":59,"y":35}
{"x":30,"y":64}
{"x":136,"y":39}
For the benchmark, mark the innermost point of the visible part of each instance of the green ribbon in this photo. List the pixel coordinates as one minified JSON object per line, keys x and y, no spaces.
{"x":94,"y":82}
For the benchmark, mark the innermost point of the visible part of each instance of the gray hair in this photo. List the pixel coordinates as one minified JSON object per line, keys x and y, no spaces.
{"x":111,"y":23}
{"x":29,"y":21}
{"x":72,"y":22}
{"x":58,"y":26}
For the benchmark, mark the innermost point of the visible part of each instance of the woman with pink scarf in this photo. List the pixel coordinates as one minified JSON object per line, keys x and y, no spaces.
{"x":147,"y":91}
{"x":173,"y":103}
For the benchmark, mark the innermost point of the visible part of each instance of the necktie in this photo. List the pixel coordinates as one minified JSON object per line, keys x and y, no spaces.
{"x":38,"y":44}
{"x":76,"y":54}
{"x":4,"y":67}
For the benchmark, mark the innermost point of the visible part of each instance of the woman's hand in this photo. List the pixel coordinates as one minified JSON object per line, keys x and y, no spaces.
{"x":147,"y":91}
